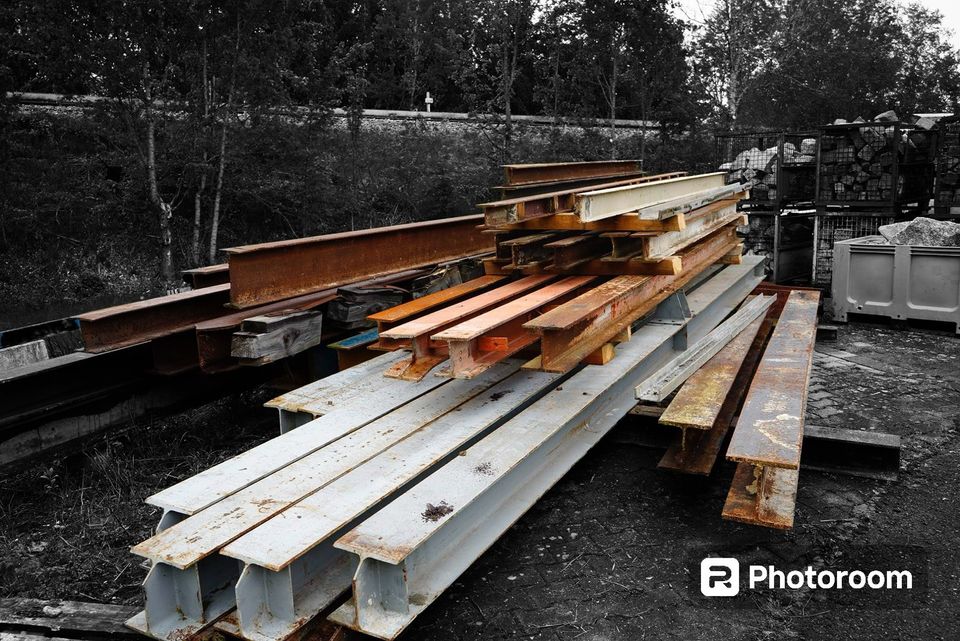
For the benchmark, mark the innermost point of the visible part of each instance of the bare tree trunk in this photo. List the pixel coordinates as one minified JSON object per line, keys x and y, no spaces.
{"x":218,"y":191}
{"x":506,"y":74}
{"x":218,"y":188}
{"x":163,"y":209}
{"x":556,"y":70}
{"x":733,"y":85}
{"x":613,"y":106}
{"x":198,"y":196}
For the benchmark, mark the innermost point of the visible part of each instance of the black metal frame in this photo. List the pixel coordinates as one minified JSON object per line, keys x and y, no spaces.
{"x":914,"y":165}
{"x":948,"y":133}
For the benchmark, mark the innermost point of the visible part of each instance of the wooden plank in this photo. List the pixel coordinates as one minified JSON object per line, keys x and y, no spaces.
{"x":770,"y":429}
{"x":295,"y":336}
{"x":470,"y":355}
{"x":604,"y":203}
{"x":205,"y":532}
{"x":67,"y":617}
{"x":873,"y":455}
{"x":212,"y":485}
{"x":24,"y":354}
{"x":698,"y":403}
{"x":269,"y":322}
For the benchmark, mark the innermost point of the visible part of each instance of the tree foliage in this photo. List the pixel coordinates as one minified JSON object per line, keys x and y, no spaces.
{"x":218,"y":115}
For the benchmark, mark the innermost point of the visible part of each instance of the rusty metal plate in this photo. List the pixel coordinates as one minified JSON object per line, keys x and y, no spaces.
{"x":770,"y":429}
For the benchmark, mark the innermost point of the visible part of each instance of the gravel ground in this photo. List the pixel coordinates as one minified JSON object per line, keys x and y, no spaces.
{"x":611,"y":552}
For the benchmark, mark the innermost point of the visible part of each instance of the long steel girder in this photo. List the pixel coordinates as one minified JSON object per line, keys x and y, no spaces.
{"x":140,"y":321}
{"x":533,"y":173}
{"x":268,"y":272}
{"x":515,"y":210}
{"x":604,"y":203}
{"x":407,"y":556}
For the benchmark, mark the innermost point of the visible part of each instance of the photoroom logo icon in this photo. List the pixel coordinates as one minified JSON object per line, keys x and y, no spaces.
{"x":719,"y":577}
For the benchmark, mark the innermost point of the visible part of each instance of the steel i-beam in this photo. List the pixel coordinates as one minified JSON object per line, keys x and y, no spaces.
{"x":415,"y":547}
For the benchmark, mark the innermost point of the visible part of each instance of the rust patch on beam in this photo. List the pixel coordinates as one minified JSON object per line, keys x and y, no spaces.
{"x":696,"y":451}
{"x":761,"y":495}
{"x":269,"y":272}
{"x":141,"y":321}
{"x":574,"y":330}
{"x":770,"y":429}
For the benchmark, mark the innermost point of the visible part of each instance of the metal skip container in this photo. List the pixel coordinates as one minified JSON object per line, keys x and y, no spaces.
{"x":904,"y":282}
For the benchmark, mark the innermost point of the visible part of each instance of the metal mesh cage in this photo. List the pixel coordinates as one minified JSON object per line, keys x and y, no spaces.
{"x":831,"y":229}
{"x":752,"y":158}
{"x":875,"y":164}
{"x":946,"y":194}
{"x":798,"y":171}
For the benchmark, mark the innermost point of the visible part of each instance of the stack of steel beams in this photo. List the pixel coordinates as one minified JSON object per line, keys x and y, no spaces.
{"x":387,"y":489}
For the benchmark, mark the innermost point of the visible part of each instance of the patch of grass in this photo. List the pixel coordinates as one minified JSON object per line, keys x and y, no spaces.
{"x":67,"y":522}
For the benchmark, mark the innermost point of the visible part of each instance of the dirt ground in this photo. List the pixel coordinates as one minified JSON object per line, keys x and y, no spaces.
{"x":611,"y":552}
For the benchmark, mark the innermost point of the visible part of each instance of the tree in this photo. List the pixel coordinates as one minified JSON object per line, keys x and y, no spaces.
{"x":733,"y":48}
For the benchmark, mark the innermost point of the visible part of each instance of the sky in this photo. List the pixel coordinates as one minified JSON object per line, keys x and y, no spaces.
{"x":696,"y":9}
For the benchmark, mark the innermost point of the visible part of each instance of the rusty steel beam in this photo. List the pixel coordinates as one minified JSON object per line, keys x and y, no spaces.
{"x":770,"y":429}
{"x":514,"y":210}
{"x":268,"y":272}
{"x":698,"y":402}
{"x":526,"y":250}
{"x":696,"y":452}
{"x":520,"y":191}
{"x":141,"y":321}
{"x":769,"y":433}
{"x":534,"y":173}
{"x":570,"y":222}
{"x":478,"y":343}
{"x":415,"y":335}
{"x":574,"y":250}
{"x":213,"y":336}
{"x":390,"y":318}
{"x":576,"y":329}
{"x":207,"y":276}
{"x":624,"y":244}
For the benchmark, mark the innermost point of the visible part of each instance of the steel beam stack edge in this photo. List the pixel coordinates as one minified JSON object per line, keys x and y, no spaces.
{"x":409,"y":552}
{"x":604,"y":203}
{"x":268,"y":272}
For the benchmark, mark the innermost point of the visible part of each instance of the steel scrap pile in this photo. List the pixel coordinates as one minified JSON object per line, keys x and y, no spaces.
{"x":391,"y":477}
